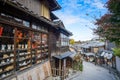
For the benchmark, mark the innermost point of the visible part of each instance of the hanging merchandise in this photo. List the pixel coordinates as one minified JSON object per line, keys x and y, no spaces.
{"x":1,"y":30}
{"x":19,"y":36}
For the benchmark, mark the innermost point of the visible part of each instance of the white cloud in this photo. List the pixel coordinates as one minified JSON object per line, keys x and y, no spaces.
{"x":98,"y":4}
{"x":69,"y":18}
{"x":95,"y":3}
{"x":83,"y":35}
{"x":71,"y":4}
{"x":83,"y":24}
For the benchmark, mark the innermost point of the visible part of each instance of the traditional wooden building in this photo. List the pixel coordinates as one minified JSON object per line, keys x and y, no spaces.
{"x":28,"y":37}
{"x":60,"y":54}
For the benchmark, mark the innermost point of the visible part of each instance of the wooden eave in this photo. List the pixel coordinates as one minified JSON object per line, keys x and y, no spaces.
{"x":53,"y":16}
{"x":61,"y":28}
{"x":53,"y":5}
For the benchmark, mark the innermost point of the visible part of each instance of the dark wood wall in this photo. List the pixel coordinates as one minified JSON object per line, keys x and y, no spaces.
{"x":32,"y":5}
{"x":53,"y":38}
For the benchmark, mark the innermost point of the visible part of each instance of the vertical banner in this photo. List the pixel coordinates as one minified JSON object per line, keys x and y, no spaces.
{"x":1,"y":30}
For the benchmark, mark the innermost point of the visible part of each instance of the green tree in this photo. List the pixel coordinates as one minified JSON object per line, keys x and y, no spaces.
{"x":72,"y":41}
{"x":117,"y":51}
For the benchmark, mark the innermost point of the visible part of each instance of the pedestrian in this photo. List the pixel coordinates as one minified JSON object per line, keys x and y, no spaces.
{"x":105,"y":59}
{"x":95,"y":60}
{"x":109,"y":65}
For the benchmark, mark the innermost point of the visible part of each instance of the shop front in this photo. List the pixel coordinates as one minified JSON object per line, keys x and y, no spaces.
{"x":21,"y":46}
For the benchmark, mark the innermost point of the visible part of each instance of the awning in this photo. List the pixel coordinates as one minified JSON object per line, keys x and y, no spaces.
{"x":73,"y":54}
{"x":106,"y":54}
{"x":103,"y":53}
{"x":63,"y":55}
{"x":90,"y":54}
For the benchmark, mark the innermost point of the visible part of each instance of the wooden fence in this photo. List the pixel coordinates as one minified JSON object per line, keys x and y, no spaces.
{"x":63,"y":74}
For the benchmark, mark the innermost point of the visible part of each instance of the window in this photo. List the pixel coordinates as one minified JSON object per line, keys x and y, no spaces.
{"x":64,"y":40}
{"x":34,"y":26}
{"x":39,"y":27}
{"x":26,"y":23}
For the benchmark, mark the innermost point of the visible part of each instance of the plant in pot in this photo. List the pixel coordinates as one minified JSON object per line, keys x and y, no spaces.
{"x":116,"y":51}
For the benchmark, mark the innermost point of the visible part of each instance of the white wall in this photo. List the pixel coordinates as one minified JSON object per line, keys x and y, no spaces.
{"x":118,"y":63}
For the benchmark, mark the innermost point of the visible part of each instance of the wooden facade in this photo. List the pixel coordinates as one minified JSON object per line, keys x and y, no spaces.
{"x":27,"y":34}
{"x":32,"y":5}
{"x":60,"y":51}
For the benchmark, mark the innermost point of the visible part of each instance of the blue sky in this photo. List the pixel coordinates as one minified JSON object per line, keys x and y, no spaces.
{"x":73,"y":14}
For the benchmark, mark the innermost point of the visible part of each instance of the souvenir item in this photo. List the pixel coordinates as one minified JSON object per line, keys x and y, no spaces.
{"x":19,"y":35}
{"x":22,"y":46}
{"x":3,"y":47}
{"x":1,"y":30}
{"x":1,"y":70}
{"x":19,"y":46}
{"x":11,"y":60}
{"x":3,"y":62}
{"x":24,"y":63}
{"x":11,"y":54}
{"x":28,"y":52}
{"x":9,"y":47}
{"x":26,"y":46}
{"x":8,"y":60}
{"x":5,"y":56}
{"x":9,"y":68}
{"x":3,"y":75}
{"x":13,"y":47}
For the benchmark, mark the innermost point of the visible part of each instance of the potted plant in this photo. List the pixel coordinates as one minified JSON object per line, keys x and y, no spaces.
{"x":116,"y":51}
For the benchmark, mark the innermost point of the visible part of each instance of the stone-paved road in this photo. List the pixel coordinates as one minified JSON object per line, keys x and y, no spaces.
{"x":92,"y":72}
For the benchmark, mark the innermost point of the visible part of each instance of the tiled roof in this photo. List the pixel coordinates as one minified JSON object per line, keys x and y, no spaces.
{"x":92,"y":44}
{"x":63,"y":55}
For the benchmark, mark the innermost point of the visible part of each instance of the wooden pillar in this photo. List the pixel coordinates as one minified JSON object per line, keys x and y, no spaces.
{"x":64,"y":68}
{"x":59,"y":67}
{"x":15,"y":45}
{"x":49,"y":43}
{"x":49,"y":52}
{"x":30,"y":37}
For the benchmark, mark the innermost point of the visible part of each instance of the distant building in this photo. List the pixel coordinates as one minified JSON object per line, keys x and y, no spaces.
{"x":109,"y":45}
{"x":92,"y":46}
{"x":77,"y":42}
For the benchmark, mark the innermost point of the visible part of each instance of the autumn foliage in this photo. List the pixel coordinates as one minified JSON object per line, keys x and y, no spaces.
{"x":109,"y":24}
